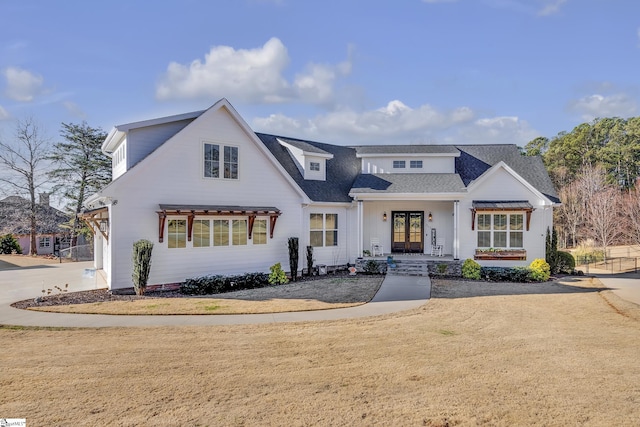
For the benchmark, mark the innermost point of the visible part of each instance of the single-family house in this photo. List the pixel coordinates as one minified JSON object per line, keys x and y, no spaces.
{"x":14,"y":219}
{"x":216,"y":197}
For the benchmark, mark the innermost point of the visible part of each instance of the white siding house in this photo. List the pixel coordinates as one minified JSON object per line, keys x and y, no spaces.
{"x":217,"y":198}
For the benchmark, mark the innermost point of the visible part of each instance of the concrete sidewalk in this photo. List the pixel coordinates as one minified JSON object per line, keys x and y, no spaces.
{"x":397,"y":293}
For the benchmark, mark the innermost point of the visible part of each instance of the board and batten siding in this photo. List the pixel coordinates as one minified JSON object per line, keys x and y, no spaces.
{"x":173,"y":174}
{"x":501,"y":185}
{"x":340,"y":254}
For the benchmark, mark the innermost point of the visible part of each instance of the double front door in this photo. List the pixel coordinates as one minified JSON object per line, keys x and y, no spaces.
{"x":407,"y":232}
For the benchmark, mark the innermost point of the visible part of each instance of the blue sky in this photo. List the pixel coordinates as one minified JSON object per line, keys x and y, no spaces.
{"x":347,"y":72}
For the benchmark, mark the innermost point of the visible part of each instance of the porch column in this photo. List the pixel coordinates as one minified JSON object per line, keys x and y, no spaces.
{"x":456,"y":237}
{"x":360,"y":231}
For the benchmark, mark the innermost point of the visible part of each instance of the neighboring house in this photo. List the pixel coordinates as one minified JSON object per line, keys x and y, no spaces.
{"x":14,"y":219}
{"x":217,"y":198}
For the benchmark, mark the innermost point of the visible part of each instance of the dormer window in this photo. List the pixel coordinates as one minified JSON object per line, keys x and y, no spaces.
{"x":399,"y":164}
{"x":314,"y":166}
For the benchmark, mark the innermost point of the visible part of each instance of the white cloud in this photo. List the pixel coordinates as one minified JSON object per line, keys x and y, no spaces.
{"x":551,"y":7}
{"x":22,"y":85}
{"x":74,"y":109}
{"x":4,"y":114}
{"x":393,"y":123}
{"x":495,"y":130}
{"x":596,"y":105}
{"x":250,"y":75}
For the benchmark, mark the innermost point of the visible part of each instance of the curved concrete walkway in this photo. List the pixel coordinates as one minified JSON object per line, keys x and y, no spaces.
{"x":625,"y":285}
{"x":397,"y":293}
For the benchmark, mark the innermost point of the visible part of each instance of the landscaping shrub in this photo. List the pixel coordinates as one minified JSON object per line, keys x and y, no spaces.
{"x":216,"y":284}
{"x":293,"y":257}
{"x":540,"y":270}
{"x":471,"y":269}
{"x":141,"y":265}
{"x":277,"y":275}
{"x":371,"y":267}
{"x":566,"y":262}
{"x":309,"y":260}
{"x":9,"y":245}
{"x":506,"y":274}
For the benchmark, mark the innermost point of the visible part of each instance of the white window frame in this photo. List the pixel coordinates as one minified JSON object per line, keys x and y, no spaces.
{"x":171,"y":234}
{"x":222,"y":161}
{"x":255,"y":232}
{"x":314,"y":166}
{"x":324,"y":230}
{"x":44,"y":242}
{"x":399,"y":164}
{"x":492,"y":230}
{"x":415,"y":164}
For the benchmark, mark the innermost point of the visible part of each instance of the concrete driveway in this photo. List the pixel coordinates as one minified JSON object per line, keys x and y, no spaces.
{"x":397,"y":293}
{"x":625,"y":285}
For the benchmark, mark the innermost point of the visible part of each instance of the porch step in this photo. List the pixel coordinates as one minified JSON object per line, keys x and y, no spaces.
{"x":409,"y":268}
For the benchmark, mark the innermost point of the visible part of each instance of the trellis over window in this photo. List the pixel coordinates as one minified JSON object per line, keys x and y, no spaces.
{"x":95,"y":219}
{"x":191,"y":211}
{"x":493,"y":206}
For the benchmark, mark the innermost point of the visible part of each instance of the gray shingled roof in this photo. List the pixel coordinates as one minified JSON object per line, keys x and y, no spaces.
{"x":475,"y":160}
{"x":14,"y":217}
{"x":406,"y":149}
{"x":408,"y":183}
{"x":502,"y":204}
{"x":342,"y":170}
{"x":304,"y":146}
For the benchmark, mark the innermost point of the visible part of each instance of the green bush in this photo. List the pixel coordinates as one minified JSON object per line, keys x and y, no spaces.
{"x":540,"y":270}
{"x":371,"y":267}
{"x":566,"y":262}
{"x":9,"y":245}
{"x":471,"y":269}
{"x":506,"y":274}
{"x":217,"y":284}
{"x":277,"y":275}
{"x":141,"y":265}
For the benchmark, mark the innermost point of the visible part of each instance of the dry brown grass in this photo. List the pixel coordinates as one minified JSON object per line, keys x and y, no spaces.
{"x":549,"y":356}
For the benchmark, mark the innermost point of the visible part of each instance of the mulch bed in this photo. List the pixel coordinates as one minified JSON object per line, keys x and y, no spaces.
{"x":105,"y":295}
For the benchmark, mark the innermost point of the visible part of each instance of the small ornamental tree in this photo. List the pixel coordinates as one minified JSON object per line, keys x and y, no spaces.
{"x":309,"y":260}
{"x":293,"y":257}
{"x":9,"y":245}
{"x":141,"y":265}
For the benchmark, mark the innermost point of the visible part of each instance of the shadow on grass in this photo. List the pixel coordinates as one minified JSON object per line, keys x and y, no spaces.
{"x":470,"y":289}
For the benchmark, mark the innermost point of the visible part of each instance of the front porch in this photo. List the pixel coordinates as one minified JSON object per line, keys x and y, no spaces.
{"x":408,"y":228}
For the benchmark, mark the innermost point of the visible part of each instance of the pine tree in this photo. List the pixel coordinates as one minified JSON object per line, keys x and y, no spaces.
{"x":80,"y":167}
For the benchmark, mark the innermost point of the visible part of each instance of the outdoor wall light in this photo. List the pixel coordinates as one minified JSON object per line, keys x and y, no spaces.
{"x":430,"y":217}
{"x":384,"y":216}
{"x":104,"y":225}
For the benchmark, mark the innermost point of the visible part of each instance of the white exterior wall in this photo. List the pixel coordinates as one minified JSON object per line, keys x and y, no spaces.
{"x":320,"y":175}
{"x":430,"y":164}
{"x":341,"y":254}
{"x":174,"y":175}
{"x":143,"y":141}
{"x":501,"y":185}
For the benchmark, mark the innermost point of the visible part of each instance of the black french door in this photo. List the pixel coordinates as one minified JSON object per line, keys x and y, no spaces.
{"x":407,"y":232}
